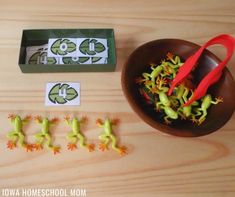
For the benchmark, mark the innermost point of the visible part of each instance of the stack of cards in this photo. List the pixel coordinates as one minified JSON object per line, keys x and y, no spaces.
{"x":69,"y":51}
{"x":38,"y":55}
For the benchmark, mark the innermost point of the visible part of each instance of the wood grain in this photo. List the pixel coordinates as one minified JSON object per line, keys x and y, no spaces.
{"x":157,"y":164}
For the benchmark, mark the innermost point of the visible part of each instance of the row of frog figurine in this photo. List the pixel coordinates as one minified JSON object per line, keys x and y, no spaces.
{"x":43,"y":138}
{"x":154,"y":86}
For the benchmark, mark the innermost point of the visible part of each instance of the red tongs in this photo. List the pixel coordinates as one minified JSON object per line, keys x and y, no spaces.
{"x":213,"y":76}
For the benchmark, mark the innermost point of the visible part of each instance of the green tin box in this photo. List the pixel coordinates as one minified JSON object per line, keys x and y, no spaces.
{"x":37,"y":37}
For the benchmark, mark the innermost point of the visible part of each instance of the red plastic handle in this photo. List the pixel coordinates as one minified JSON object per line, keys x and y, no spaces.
{"x":229,"y":43}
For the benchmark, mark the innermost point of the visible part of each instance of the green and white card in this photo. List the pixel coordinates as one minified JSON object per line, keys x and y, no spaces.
{"x":65,"y":47}
{"x":62,"y":93}
{"x":92,"y":47}
{"x":37,"y":48}
{"x":99,"y":60}
{"x":38,"y":55}
{"x":82,"y":60}
{"x":77,"y":47}
{"x":33,"y":53}
{"x":75,"y":60}
{"x":43,"y":59}
{"x":69,"y":51}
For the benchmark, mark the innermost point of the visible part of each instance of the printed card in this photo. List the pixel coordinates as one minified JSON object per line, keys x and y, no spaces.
{"x":62,"y":93}
{"x":75,"y":60}
{"x":62,"y":47}
{"x":33,"y":53}
{"x":43,"y":59}
{"x":40,"y":57}
{"x":69,"y":51}
{"x":92,"y":47}
{"x":82,"y":60}
{"x":99,"y":60}
{"x":32,"y":57}
{"x":37,"y":48}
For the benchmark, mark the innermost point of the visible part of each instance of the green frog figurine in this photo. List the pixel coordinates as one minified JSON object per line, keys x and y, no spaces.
{"x":17,"y":134}
{"x":44,"y":136}
{"x":107,"y":136}
{"x":76,"y":135}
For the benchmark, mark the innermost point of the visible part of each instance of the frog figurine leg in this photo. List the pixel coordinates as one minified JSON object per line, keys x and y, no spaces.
{"x":176,"y":61}
{"x":194,"y":119}
{"x":181,"y":113}
{"x":170,"y":113}
{"x":12,"y":143}
{"x":104,"y":142}
{"x":167,"y":121}
{"x":104,"y":138}
{"x":71,"y":136}
{"x":39,"y":136}
{"x":39,"y":141}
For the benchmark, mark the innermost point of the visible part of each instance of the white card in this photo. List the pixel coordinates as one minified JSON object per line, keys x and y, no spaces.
{"x":82,"y":60}
{"x":33,"y":53}
{"x":37,"y":48}
{"x":62,"y":47}
{"x":92,"y":47}
{"x":62,"y":93}
{"x":75,"y":60}
{"x":38,"y":57}
{"x":32,"y":57}
{"x":98,"y":60}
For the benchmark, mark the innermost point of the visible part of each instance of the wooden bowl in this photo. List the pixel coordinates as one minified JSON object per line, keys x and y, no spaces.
{"x":155,"y":51}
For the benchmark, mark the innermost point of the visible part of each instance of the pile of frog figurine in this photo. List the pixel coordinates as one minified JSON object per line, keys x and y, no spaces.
{"x":154,"y":85}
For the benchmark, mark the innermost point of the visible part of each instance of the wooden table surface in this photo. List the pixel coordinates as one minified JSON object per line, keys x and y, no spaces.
{"x":156,"y":164}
